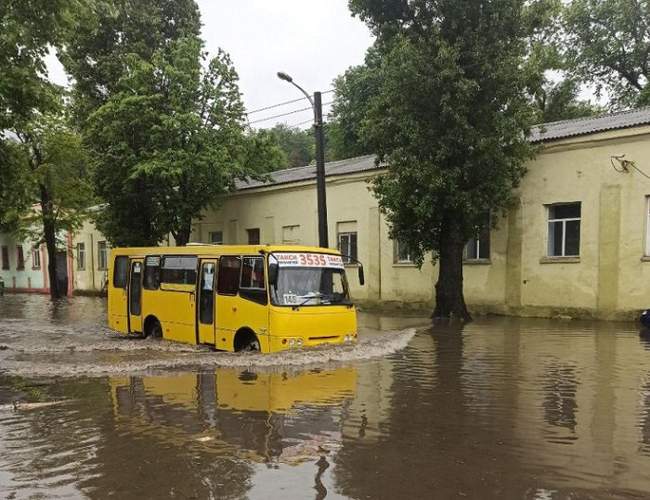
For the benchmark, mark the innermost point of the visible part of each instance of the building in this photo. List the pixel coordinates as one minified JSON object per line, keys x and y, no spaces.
{"x":23,"y":265}
{"x":576,"y":244}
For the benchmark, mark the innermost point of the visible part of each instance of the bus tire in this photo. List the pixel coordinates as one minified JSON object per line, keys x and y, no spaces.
{"x":246,"y":341}
{"x":152,"y":328}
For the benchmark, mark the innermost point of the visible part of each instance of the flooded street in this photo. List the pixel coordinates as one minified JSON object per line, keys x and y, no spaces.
{"x":502,"y":408}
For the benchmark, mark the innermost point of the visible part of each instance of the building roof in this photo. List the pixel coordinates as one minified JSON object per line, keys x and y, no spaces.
{"x":289,"y":175}
{"x":590,"y":125}
{"x":539,"y":133}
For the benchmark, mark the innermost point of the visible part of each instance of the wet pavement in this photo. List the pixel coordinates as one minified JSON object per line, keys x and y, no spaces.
{"x":502,"y":408}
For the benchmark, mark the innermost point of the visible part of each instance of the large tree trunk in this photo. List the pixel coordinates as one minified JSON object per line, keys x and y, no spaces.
{"x":49,"y":233}
{"x":182,"y":236}
{"x":450,"y":302}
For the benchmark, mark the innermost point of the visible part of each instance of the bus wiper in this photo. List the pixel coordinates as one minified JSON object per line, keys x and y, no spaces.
{"x":312,"y":295}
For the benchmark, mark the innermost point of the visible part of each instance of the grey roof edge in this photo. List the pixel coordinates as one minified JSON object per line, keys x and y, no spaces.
{"x":564,"y":129}
{"x":540,"y":133}
{"x":307,"y":173}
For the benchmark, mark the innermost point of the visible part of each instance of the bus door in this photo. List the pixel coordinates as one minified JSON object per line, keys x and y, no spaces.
{"x":135,"y":296}
{"x":205,"y":303}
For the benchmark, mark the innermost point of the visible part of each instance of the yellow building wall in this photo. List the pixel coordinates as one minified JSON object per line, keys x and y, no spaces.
{"x":91,"y":277}
{"x":610,"y":279}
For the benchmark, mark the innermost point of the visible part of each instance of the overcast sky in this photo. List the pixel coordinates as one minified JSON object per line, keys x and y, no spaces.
{"x":312,"y":40}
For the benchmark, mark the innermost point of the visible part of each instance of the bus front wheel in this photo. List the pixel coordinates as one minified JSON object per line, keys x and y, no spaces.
{"x":246,"y":341}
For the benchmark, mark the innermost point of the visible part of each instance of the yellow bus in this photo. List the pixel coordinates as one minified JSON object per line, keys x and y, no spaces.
{"x":236,"y":298}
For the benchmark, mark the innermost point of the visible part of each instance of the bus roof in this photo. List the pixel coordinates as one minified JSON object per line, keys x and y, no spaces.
{"x":193,"y":249}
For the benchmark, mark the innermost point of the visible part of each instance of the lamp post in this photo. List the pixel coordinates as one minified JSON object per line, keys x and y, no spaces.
{"x":317,"y":105}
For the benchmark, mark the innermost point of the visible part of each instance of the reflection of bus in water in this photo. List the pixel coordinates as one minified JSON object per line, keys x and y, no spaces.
{"x":264,"y":416}
{"x":254,"y":297}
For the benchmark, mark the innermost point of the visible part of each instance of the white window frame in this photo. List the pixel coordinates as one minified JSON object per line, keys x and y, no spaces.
{"x":294,"y":229}
{"x":212,"y":242}
{"x":348,"y":251}
{"x":398,"y":259}
{"x":647,"y":226}
{"x":563,"y":221}
{"x":36,"y":258}
{"x":81,"y":262}
{"x":102,"y":266}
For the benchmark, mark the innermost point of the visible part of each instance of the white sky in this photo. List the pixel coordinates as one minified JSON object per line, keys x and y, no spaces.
{"x":312,"y":40}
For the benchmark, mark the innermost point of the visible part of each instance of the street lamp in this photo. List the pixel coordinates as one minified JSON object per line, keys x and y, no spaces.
{"x":317,"y":105}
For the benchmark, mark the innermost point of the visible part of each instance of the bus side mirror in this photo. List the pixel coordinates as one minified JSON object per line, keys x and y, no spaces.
{"x":273,"y":274}
{"x":362,"y":279}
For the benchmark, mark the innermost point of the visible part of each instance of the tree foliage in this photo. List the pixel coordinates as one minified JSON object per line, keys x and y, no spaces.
{"x":108,"y":33}
{"x":609,"y":46}
{"x":449,"y":119}
{"x":352,"y":93}
{"x":295,"y":146}
{"x":168,"y":142}
{"x":51,"y":170}
{"x":27,"y":30}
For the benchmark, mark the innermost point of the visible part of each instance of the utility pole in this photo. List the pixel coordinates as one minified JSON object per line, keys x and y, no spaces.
{"x":321,"y":198}
{"x":319,"y":135}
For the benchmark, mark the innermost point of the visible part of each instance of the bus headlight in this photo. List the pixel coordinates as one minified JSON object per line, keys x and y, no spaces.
{"x":299,"y":342}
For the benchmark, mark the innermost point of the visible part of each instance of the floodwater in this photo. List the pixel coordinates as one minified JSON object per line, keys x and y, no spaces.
{"x":501,"y":408}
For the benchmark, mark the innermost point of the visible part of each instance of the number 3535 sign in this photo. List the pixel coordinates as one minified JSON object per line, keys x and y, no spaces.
{"x":309,"y":260}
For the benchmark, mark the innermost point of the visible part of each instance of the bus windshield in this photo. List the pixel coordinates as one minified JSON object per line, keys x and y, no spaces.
{"x":310,"y":281}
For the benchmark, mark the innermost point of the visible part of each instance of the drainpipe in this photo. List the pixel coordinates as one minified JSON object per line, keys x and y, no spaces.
{"x":92,"y":260}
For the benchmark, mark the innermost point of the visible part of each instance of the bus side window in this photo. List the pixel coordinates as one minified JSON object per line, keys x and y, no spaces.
{"x":252,"y":280}
{"x":179,"y":269}
{"x":228,"y":276}
{"x":152,"y":272}
{"x":120,"y":271}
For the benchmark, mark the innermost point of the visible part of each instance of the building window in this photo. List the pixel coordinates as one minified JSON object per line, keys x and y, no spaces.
{"x":478,"y":248}
{"x":102,"y":255}
{"x":5,"y":257}
{"x":81,"y":256}
{"x":402,"y":254}
{"x":348,"y":246}
{"x":36,"y":258}
{"x":253,"y":236}
{"x":20,"y":258}
{"x":291,"y":235}
{"x":216,"y":237}
{"x":564,"y":230}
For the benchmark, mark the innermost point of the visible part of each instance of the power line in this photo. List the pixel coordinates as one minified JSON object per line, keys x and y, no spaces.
{"x":272,"y":106}
{"x":306,"y":122}
{"x":286,"y":114}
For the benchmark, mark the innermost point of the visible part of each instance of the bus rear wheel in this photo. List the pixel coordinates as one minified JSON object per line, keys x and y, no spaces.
{"x":152,"y":328}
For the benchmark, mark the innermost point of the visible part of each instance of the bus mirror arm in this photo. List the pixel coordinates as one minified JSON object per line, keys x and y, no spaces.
{"x":350,"y":259}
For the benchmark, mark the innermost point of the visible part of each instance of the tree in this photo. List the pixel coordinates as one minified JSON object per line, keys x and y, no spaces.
{"x":295,"y":146}
{"x":352,"y":93}
{"x":106,"y":34}
{"x":50,"y":158}
{"x":555,"y":101}
{"x":27,"y":31}
{"x":449,"y":120}
{"x":168,"y":143}
{"x":609,"y":46}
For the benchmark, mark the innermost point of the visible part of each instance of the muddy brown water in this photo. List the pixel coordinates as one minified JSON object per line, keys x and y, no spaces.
{"x":502,"y":408}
